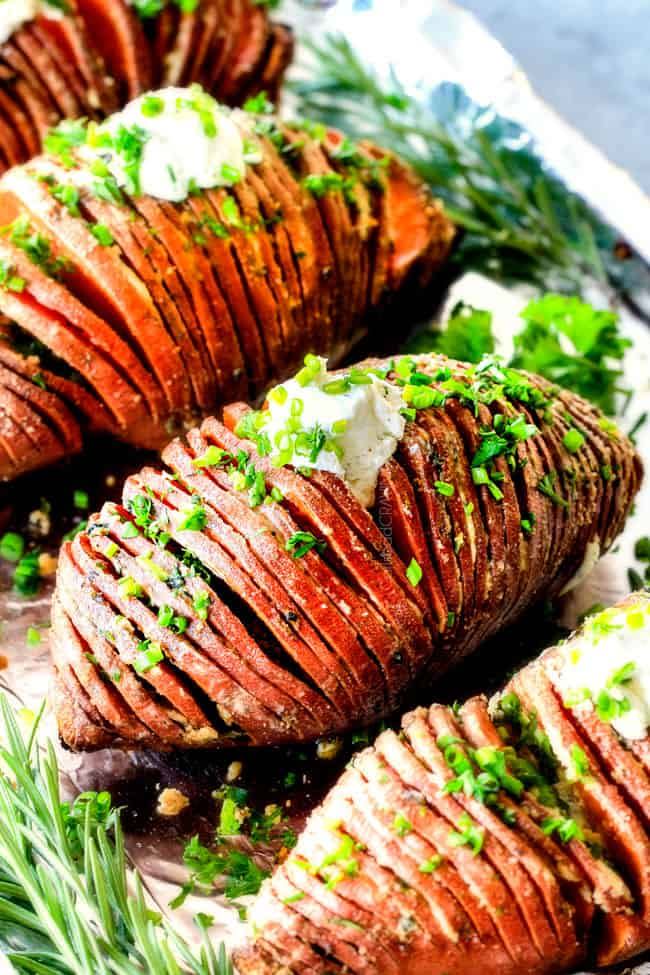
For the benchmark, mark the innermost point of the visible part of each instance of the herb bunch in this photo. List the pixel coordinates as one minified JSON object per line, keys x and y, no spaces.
{"x":568,"y":341}
{"x":69,"y":904}
{"x":520,"y":221}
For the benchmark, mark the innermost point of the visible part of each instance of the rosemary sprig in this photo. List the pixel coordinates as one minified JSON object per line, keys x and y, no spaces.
{"x":69,"y":904}
{"x":520,"y":221}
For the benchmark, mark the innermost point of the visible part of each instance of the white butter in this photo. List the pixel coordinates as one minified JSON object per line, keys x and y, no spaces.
{"x":611,"y":658}
{"x":172,"y":141}
{"x":360,"y":427}
{"x":15,"y":13}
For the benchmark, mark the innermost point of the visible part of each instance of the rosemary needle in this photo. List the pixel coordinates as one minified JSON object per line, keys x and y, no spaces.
{"x":520,"y":221}
{"x":69,"y":904}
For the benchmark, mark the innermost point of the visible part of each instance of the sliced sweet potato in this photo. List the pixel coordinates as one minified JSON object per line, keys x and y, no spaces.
{"x":509,"y":894}
{"x":118,"y":36}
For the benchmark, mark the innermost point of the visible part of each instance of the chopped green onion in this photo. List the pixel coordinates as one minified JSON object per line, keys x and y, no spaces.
{"x":80,"y":500}
{"x":573,"y":440}
{"x":12,"y":546}
{"x":414,"y":572}
{"x":444,"y":488}
{"x":149,"y":654}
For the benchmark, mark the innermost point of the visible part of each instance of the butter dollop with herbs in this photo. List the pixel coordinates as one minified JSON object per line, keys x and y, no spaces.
{"x":172,"y":142}
{"x":607,"y":666}
{"x":348,"y":423}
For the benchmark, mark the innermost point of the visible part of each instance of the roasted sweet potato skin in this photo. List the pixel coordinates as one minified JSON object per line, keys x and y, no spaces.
{"x":99,"y":55}
{"x":167,"y":311}
{"x":338,"y":636}
{"x":407,"y":868}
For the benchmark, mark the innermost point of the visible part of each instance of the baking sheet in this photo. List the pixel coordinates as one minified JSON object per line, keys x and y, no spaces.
{"x":428,"y":41}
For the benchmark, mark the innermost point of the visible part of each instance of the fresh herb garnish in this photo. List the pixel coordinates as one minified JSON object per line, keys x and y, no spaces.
{"x":414,"y":572}
{"x":467,"y":335}
{"x":401,"y":825}
{"x":574,"y":345}
{"x":36,"y":246}
{"x":102,"y":234}
{"x":12,"y":546}
{"x":302,"y":542}
{"x":566,"y":829}
{"x":9,"y":280}
{"x":195,"y":518}
{"x":69,"y":902}
{"x":546,"y":485}
{"x":519,"y":220}
{"x":467,"y":833}
{"x":149,"y":654}
{"x":27,"y":575}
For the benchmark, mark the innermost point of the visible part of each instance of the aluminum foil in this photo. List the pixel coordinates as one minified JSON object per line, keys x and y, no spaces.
{"x":427,"y":41}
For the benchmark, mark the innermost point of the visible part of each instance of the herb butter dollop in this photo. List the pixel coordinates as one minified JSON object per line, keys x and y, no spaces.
{"x":607,"y":667}
{"x":172,"y":142}
{"x":15,"y":13}
{"x":348,"y":423}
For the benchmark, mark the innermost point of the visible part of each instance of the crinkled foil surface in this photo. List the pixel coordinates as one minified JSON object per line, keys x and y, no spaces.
{"x":428,"y":41}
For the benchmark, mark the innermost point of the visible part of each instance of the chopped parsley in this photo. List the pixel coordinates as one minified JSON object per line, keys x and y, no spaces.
{"x":547,"y":486}
{"x":9,"y":280}
{"x":195,"y":518}
{"x":12,"y":546}
{"x":27,"y":575}
{"x":575,"y":345}
{"x":241,"y":874}
{"x":302,"y":542}
{"x":566,"y":829}
{"x":36,"y":246}
{"x":467,"y":336}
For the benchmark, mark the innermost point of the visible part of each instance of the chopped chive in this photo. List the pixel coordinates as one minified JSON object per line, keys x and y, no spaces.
{"x":414,"y":572}
{"x":102,"y":234}
{"x":432,"y":864}
{"x":573,"y":440}
{"x":149,"y":654}
{"x":302,"y":542}
{"x":401,"y":824}
{"x":12,"y":546}
{"x":201,"y":604}
{"x":33,"y":636}
{"x":444,"y":488}
{"x":80,"y":500}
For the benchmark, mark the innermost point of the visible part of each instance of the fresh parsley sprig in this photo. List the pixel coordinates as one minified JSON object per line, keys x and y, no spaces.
{"x":562,"y":338}
{"x":69,"y":903}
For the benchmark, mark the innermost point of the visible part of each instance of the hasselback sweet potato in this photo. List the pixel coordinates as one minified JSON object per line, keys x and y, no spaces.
{"x":97,"y":54}
{"x":511,"y":834}
{"x":164,"y":311}
{"x":271,"y":598}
